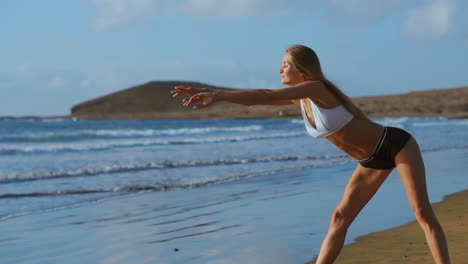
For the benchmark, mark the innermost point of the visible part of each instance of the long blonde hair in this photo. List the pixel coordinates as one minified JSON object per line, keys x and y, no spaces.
{"x":306,"y":61}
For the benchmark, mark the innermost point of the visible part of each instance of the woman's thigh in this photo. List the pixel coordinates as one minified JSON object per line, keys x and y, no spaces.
{"x":361,"y":187}
{"x":410,"y":166}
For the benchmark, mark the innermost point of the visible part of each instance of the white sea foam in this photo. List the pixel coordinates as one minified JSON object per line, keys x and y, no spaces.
{"x":79,"y":134}
{"x":132,"y":167}
{"x":447,"y":122}
{"x":14,"y":148}
{"x":169,"y":184}
{"x":394,"y":121}
{"x":297,"y":121}
{"x":172,"y":132}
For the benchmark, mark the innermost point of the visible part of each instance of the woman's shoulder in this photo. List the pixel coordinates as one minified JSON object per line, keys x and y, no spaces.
{"x":321,"y":95}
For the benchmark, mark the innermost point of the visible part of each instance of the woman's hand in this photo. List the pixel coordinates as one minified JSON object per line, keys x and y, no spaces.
{"x":187,"y":90}
{"x":201,"y":100}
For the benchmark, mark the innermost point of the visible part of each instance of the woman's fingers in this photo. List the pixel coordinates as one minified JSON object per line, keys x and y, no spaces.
{"x":175,"y":93}
{"x":199,"y":99}
{"x":180,"y":90}
{"x":191,"y":100}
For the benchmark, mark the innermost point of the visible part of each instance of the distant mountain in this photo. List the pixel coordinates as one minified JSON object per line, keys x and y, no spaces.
{"x":452,"y":102}
{"x":153,"y":101}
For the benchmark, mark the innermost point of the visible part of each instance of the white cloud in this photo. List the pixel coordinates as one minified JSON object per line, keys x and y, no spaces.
{"x":349,"y":11}
{"x":362,"y":11}
{"x":115,"y":13}
{"x":432,"y":20}
{"x":427,"y":19}
{"x":238,"y":8}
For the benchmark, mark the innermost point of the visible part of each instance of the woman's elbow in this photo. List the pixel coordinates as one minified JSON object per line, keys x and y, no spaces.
{"x":266,"y":96}
{"x":259,"y":97}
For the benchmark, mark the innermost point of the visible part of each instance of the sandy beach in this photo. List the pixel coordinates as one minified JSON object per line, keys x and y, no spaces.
{"x":406,"y":244}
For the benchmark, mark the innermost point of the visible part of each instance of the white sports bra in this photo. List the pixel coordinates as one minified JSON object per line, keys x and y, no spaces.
{"x":327,"y":121}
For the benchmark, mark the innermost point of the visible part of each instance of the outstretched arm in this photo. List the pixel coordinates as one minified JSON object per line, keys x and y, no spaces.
{"x":190,"y":90}
{"x":178,"y":90}
{"x":311,"y":89}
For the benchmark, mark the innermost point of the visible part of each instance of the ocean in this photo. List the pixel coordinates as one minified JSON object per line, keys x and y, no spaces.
{"x":193,"y":190}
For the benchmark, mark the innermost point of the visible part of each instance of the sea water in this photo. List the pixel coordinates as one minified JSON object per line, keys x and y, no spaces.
{"x":49,"y":164}
{"x":193,"y":191}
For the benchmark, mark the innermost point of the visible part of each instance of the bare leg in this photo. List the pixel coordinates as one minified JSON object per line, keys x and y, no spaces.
{"x":362,"y":185}
{"x":410,"y":166}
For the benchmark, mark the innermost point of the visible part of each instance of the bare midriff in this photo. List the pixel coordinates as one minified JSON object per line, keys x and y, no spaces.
{"x":358,"y":138}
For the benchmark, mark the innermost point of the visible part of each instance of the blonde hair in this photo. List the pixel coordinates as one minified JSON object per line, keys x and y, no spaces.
{"x":306,"y":61}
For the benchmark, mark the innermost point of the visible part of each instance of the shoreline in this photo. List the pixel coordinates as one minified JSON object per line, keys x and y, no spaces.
{"x":406,"y":243}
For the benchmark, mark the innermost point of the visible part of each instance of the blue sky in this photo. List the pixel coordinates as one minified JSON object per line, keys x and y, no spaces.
{"x":57,"y":53}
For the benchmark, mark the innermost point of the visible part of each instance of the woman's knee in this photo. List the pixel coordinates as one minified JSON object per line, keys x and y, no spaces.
{"x":425,"y":216}
{"x":340,"y":222}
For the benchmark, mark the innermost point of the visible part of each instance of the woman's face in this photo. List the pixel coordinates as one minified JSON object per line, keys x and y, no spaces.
{"x":289,"y":74}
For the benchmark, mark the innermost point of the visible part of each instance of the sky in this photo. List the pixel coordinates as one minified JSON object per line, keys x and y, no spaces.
{"x":55,"y":54}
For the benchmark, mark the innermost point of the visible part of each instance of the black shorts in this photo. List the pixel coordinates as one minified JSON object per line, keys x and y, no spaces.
{"x":393,"y":139}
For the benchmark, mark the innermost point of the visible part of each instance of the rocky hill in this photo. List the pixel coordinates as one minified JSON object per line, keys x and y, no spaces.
{"x":153,"y":101}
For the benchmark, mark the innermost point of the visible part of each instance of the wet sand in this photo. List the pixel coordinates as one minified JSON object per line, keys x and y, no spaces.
{"x":406,"y":244}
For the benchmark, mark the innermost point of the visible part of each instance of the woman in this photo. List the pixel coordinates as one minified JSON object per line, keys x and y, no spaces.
{"x":330,"y":114}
